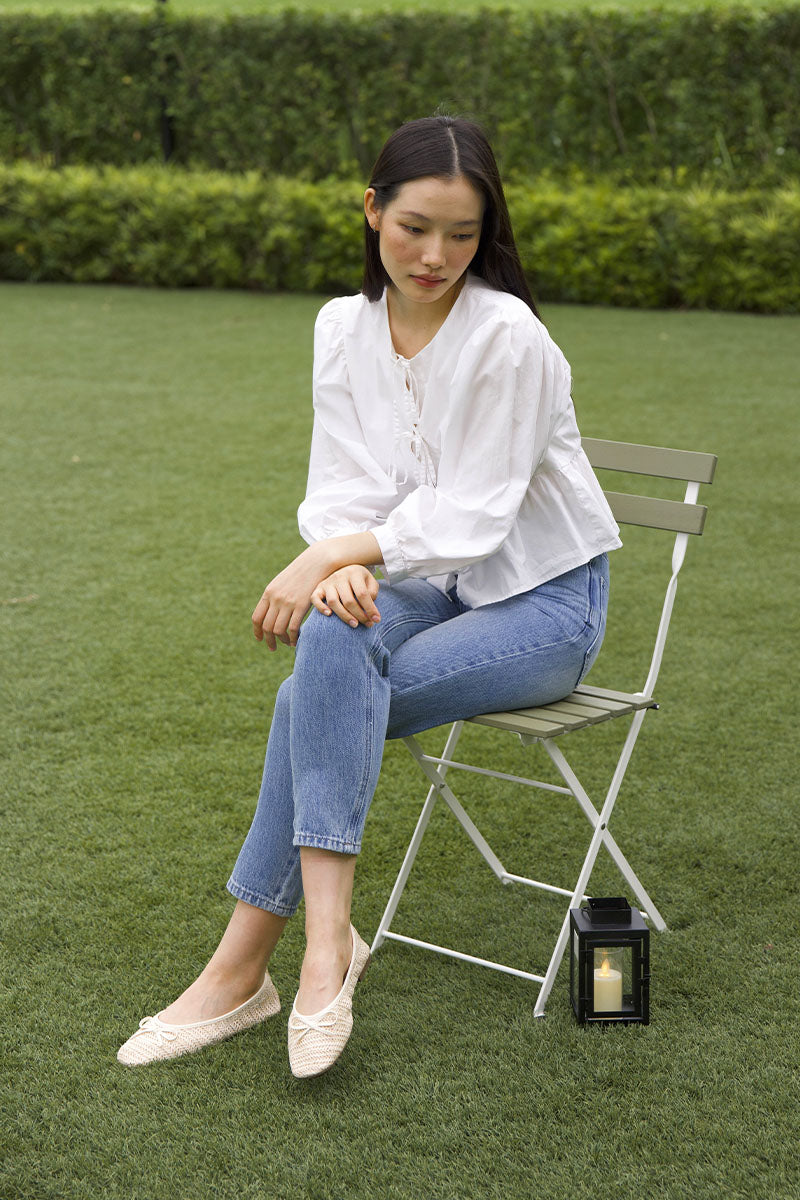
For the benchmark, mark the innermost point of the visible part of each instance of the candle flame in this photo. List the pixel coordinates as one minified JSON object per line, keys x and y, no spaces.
{"x":605,"y":969}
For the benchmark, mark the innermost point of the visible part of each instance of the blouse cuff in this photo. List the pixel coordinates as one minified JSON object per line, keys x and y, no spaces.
{"x":318,"y":527}
{"x":394,"y":566}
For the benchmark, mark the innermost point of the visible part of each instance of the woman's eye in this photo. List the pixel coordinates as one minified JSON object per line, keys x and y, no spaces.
{"x":412,"y":229}
{"x":464,"y":237}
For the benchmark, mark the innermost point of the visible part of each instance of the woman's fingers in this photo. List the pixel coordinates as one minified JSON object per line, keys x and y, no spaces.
{"x":349,"y":594}
{"x":259,"y":613}
{"x":285,"y":625}
{"x":266,"y":630}
{"x":287,"y":598}
{"x":363,"y":588}
{"x":319,"y":601}
{"x":273,"y":623}
{"x":327,"y":600}
{"x":346,"y":609}
{"x":293,"y":627}
{"x":366,"y":594}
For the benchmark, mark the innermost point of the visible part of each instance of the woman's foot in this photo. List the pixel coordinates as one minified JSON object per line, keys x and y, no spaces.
{"x":157,"y":1039}
{"x":214,"y":993}
{"x":233,"y":992}
{"x":325,"y":966}
{"x":236,"y":969}
{"x":316,"y":1040}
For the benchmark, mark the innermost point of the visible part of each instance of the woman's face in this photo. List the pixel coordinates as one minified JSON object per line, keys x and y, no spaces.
{"x":429,"y":234}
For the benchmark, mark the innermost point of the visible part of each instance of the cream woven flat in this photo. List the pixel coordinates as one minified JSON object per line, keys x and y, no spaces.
{"x":316,"y":1041}
{"x":155,"y":1039}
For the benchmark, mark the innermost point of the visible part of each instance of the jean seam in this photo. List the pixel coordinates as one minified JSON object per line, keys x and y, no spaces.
{"x":361,"y":793}
{"x":595,"y":612}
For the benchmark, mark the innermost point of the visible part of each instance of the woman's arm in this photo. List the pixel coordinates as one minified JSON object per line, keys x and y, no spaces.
{"x":348,"y":490}
{"x":332,"y":575}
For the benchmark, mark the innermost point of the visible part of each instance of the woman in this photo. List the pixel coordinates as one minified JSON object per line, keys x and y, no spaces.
{"x":444,"y":452}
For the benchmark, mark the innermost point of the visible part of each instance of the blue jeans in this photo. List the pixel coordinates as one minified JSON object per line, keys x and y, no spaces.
{"x":429,"y":661}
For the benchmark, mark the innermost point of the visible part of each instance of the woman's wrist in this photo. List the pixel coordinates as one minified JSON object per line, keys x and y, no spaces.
{"x":346,"y":549}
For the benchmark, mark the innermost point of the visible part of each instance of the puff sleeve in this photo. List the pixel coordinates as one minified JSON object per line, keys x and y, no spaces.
{"x":348,"y":491}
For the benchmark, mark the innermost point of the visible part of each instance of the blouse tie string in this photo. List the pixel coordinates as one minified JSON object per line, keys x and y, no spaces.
{"x":407,"y":432}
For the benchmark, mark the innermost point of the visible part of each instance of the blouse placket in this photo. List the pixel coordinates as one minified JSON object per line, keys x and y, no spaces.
{"x":407,"y":415}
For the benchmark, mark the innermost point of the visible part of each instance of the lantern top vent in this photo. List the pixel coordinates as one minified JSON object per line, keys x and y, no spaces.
{"x":609,"y":910}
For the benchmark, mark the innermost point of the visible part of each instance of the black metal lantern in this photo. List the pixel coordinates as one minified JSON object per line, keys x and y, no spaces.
{"x":609,"y":973}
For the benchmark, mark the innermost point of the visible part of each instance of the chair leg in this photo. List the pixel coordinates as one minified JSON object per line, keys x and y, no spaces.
{"x":600,"y":837}
{"x":411,"y":852}
{"x":458,"y":811}
{"x":553,"y":965}
{"x":570,"y":778}
{"x":580,"y":889}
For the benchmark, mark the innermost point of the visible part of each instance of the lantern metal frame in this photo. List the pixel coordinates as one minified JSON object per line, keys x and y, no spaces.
{"x":609,"y":922}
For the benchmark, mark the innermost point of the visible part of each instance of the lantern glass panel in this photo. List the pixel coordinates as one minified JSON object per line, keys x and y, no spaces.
{"x":608,"y":974}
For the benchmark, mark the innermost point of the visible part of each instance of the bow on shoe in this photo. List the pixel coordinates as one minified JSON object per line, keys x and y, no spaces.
{"x":154,"y":1026}
{"x":302,"y":1025}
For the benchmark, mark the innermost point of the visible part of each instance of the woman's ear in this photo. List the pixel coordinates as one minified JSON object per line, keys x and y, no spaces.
{"x":370,"y":211}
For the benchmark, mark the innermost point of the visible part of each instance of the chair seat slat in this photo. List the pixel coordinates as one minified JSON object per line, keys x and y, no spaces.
{"x":570,"y":708}
{"x":518,"y":721}
{"x":585,"y":706}
{"x":630,"y":698}
{"x":614,"y":708}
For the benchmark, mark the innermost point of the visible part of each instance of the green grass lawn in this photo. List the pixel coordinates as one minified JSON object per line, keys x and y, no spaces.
{"x":216,"y":7}
{"x":154,"y":454}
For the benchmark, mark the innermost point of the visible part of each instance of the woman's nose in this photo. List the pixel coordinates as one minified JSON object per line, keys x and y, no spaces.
{"x":433,"y":253}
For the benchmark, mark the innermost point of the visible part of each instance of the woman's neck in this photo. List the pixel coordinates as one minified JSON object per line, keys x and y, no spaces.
{"x":413,"y":326}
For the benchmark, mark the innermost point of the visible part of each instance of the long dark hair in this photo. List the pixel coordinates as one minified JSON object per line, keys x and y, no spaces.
{"x":447,"y":147}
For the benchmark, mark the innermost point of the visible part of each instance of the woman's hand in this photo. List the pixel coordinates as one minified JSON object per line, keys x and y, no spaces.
{"x":350,"y":594}
{"x":322,"y":575}
{"x":287,"y":599}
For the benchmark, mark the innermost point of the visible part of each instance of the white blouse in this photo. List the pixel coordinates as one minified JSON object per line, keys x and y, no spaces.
{"x":464,"y":461}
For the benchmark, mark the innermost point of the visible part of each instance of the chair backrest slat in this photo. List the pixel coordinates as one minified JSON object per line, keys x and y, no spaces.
{"x":689,"y":465}
{"x":657,"y":513}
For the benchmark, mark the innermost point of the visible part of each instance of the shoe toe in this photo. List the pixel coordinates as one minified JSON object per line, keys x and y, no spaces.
{"x":313,"y":1051}
{"x":135,"y":1054}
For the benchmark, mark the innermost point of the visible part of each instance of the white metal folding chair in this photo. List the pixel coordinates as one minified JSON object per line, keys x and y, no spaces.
{"x":587,"y":706}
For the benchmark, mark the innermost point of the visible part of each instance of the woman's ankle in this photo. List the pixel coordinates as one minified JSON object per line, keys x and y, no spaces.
{"x":323,"y":972}
{"x":214,"y":993}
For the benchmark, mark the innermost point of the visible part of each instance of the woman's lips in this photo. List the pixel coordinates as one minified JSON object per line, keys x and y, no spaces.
{"x":428,"y":281}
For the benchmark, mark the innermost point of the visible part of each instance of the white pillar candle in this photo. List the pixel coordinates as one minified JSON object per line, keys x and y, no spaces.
{"x":607,"y":988}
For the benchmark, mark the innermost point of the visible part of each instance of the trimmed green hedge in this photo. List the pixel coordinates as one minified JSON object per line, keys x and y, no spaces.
{"x":645,"y":247}
{"x":636,"y":93}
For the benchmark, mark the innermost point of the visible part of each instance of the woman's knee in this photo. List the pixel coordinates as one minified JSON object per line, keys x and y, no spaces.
{"x":318,"y":632}
{"x":328,"y":644}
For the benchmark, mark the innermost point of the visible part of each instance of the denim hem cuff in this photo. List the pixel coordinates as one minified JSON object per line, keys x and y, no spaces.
{"x":259,"y":901}
{"x":327,"y":843}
